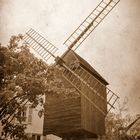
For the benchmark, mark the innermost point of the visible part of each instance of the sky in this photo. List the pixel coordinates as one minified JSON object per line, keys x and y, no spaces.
{"x":112,"y":49}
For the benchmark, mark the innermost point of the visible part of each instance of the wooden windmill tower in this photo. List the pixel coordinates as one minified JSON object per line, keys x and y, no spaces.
{"x":84,"y":115}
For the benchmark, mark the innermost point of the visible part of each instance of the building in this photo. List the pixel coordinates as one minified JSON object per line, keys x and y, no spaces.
{"x":33,"y":121}
{"x":34,"y":124}
{"x":77,"y":116}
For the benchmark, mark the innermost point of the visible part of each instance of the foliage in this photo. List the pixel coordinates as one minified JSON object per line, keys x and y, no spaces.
{"x":23,"y":79}
{"x":115,"y":121}
{"x":117,"y":124}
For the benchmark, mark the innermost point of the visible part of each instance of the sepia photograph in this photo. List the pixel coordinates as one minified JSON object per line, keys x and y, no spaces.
{"x":69,"y":70}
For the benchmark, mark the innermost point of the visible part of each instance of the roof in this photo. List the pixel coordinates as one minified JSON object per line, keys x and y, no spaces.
{"x":85,"y":65}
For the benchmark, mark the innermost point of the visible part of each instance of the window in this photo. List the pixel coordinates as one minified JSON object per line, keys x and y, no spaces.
{"x":30,"y":113}
{"x":33,"y":137}
{"x":22,"y":115}
{"x":36,"y":137}
{"x":25,"y":115}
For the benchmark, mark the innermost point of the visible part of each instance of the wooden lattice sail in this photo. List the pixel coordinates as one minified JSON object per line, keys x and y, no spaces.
{"x":90,"y":23}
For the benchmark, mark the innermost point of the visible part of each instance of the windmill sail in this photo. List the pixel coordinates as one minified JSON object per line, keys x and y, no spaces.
{"x":90,"y":23}
{"x":42,"y":46}
{"x":76,"y":75}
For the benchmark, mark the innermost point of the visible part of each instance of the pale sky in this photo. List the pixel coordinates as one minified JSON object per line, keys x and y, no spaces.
{"x":112,"y":49}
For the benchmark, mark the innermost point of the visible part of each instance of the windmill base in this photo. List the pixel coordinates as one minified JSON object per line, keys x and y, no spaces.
{"x":72,"y":118}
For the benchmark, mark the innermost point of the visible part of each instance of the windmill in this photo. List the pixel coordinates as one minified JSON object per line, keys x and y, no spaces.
{"x":91,"y":86}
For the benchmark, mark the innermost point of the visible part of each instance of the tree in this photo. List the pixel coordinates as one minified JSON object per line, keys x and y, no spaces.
{"x":118,"y":124}
{"x":115,"y":121}
{"x":23,"y":78}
